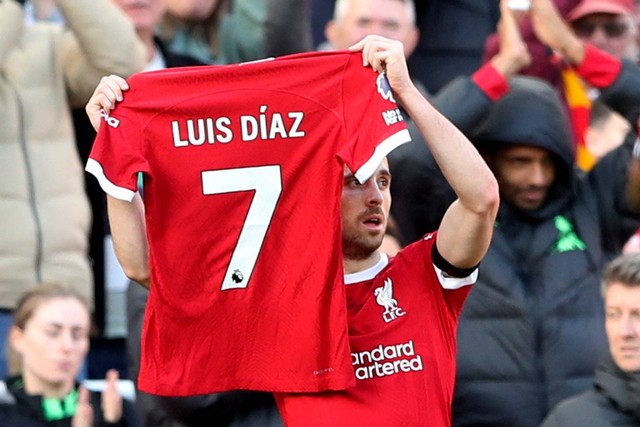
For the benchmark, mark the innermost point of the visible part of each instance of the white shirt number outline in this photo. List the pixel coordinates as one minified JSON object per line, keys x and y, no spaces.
{"x":267,"y":183}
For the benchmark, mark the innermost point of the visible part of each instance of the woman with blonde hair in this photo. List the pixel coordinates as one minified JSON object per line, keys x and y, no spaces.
{"x":48,"y":345}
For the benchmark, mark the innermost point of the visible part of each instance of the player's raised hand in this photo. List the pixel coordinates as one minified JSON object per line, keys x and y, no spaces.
{"x":383,"y":54}
{"x":111,"y":399}
{"x":107,"y":94}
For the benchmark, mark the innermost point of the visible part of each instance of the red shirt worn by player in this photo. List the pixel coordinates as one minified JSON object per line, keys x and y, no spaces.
{"x":403,"y":314}
{"x":243,"y":168}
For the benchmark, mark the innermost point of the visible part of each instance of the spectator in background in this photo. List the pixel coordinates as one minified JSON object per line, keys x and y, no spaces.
{"x":536,"y":299}
{"x":612,"y":27}
{"x":50,"y":340}
{"x":47,"y":69}
{"x":231,"y":31}
{"x":354,"y":19}
{"x":215,"y":31}
{"x":543,"y":64}
{"x":609,"y":25}
{"x":146,"y":16}
{"x":614,"y":399}
{"x":192,"y":27}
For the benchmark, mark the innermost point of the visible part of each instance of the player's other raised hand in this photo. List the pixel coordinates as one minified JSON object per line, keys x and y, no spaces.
{"x":105,"y":96}
{"x":383,"y":54}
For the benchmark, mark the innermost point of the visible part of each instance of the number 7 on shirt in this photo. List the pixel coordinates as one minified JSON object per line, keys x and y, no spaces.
{"x":266,"y":181}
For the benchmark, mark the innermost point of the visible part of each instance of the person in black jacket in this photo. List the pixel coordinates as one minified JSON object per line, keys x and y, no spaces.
{"x":531,"y":332}
{"x":49,"y":342}
{"x":614,"y":399}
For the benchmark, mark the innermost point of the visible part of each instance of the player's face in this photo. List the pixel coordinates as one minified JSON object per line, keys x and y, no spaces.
{"x":525,"y":174}
{"x":365,"y":209}
{"x":387,"y":18}
{"x":622,"y":308}
{"x":53,"y":343}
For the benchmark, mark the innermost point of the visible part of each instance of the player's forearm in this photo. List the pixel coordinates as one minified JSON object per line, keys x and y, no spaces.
{"x":128,"y":231}
{"x":460,"y":162}
{"x":466,"y":228}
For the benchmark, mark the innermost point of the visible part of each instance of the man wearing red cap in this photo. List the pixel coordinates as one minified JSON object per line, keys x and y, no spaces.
{"x":609,"y":25}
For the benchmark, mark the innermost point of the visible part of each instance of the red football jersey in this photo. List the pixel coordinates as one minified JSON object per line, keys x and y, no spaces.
{"x":403,"y":315}
{"x":243,"y":169}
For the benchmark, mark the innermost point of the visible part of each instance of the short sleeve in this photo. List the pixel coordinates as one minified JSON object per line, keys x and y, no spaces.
{"x":117,"y":153}
{"x":373,"y":121}
{"x":454,"y":290}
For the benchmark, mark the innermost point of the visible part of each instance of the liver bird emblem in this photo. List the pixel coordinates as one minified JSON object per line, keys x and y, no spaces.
{"x":384,"y":296}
